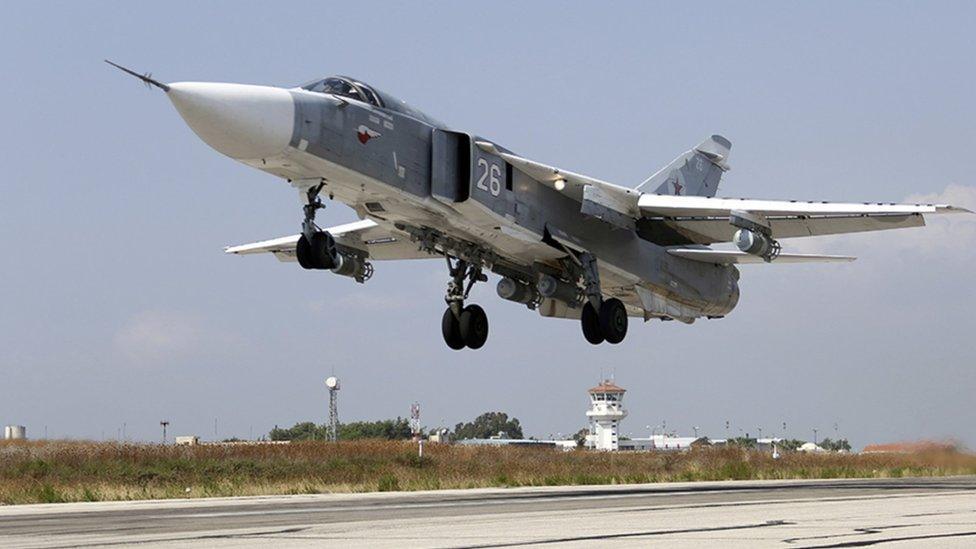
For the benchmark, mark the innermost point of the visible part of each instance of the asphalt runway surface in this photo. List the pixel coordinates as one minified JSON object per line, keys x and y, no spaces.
{"x":937,"y":512}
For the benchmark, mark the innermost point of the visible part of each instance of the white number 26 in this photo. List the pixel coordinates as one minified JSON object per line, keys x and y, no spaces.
{"x":491,"y":173}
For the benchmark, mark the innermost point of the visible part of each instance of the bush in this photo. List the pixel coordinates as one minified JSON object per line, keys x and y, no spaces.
{"x":55,"y":471}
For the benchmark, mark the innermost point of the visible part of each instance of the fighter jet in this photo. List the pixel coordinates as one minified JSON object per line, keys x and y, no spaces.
{"x":563,"y":244}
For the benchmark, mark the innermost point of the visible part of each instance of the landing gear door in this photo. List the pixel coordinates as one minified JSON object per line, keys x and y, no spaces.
{"x":450,"y":166}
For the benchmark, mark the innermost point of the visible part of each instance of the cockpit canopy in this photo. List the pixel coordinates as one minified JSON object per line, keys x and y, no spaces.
{"x":345,"y":87}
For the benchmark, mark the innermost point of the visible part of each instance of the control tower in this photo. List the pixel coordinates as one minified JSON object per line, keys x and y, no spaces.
{"x":606,"y":411}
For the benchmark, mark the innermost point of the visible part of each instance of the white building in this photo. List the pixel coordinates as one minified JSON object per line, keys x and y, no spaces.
{"x":810,"y":447}
{"x":14,"y":432}
{"x":658,"y":443}
{"x":606,"y":411}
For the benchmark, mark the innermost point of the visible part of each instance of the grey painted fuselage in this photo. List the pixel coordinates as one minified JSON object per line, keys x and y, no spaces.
{"x":410,"y":173}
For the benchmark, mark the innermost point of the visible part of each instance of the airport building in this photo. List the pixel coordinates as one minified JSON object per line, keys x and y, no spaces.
{"x":14,"y":432}
{"x":605,"y":414}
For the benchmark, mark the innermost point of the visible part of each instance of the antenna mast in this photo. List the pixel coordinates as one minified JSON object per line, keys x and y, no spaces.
{"x":332,"y":431}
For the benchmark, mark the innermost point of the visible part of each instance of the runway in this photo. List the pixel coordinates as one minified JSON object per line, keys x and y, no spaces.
{"x":843,"y":513}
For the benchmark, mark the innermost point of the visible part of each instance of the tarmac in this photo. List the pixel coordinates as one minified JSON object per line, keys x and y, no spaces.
{"x":816,"y":513}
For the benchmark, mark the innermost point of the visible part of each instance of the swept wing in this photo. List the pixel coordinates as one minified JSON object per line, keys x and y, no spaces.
{"x":371,"y":237}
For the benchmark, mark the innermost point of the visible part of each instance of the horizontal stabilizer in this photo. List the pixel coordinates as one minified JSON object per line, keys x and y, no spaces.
{"x":725,"y":257}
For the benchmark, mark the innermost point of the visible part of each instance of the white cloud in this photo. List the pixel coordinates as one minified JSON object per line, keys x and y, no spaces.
{"x":963,"y":196}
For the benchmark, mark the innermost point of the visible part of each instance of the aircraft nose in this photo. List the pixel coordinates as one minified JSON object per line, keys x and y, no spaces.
{"x":241,"y":121}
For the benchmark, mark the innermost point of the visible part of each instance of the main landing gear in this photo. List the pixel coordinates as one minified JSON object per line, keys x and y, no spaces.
{"x":463,"y":326}
{"x":608,"y":323}
{"x":602,"y":319}
{"x":316,"y":249}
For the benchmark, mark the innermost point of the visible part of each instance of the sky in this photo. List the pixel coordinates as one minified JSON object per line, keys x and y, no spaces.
{"x":119,"y":307}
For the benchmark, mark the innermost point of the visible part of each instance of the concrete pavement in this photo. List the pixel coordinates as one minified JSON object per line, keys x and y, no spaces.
{"x":842,"y":513}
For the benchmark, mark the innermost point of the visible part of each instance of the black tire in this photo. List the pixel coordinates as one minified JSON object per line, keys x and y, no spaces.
{"x":474,"y":326}
{"x":451,"y":329}
{"x":591,"y":324}
{"x":303,"y":250}
{"x":322,"y":243}
{"x":613,"y":320}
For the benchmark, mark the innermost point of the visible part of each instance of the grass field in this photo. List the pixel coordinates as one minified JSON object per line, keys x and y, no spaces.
{"x":57,"y":471}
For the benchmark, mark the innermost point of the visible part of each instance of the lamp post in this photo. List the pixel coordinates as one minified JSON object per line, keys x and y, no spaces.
{"x":815,"y":435}
{"x":696,"y":431}
{"x":164,"y":424}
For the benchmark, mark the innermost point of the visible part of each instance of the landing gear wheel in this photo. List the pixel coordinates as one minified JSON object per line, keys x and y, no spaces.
{"x":451,"y":329}
{"x":474,"y":326}
{"x":303,"y":250}
{"x":613,"y":320}
{"x":308,"y":249}
{"x":322,"y":248}
{"x":591,"y":324}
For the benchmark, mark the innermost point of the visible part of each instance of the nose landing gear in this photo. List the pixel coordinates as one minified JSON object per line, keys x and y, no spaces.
{"x":316,"y":249}
{"x":463,"y":326}
{"x":319,"y":252}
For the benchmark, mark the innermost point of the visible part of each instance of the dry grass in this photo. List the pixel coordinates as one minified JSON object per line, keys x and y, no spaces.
{"x":55,"y":471}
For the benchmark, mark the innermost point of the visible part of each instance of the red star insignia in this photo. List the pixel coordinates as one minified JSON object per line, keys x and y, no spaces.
{"x":365,"y":134}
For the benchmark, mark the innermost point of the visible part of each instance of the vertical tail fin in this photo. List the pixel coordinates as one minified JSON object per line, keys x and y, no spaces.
{"x":695,"y":173}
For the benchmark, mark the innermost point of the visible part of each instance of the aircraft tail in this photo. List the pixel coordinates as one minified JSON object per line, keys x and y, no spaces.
{"x":694,"y":173}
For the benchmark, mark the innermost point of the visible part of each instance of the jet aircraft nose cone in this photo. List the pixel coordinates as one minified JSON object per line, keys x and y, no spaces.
{"x":242,"y":121}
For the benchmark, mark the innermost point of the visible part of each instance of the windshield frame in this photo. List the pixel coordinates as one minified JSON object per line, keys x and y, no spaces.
{"x":364,"y":93}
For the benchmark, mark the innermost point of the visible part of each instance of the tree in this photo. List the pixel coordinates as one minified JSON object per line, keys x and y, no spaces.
{"x":839,"y":445}
{"x":488,"y":425}
{"x":580,"y":436}
{"x":389,"y":429}
{"x":745,"y":442}
{"x":790,"y":444}
{"x":300,"y":431}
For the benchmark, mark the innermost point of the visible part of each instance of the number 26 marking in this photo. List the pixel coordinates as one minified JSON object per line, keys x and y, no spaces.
{"x":492,"y":173}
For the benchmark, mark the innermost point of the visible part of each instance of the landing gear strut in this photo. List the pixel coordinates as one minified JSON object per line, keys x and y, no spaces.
{"x":463,"y":326}
{"x":602,"y":319}
{"x":316,"y":249}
